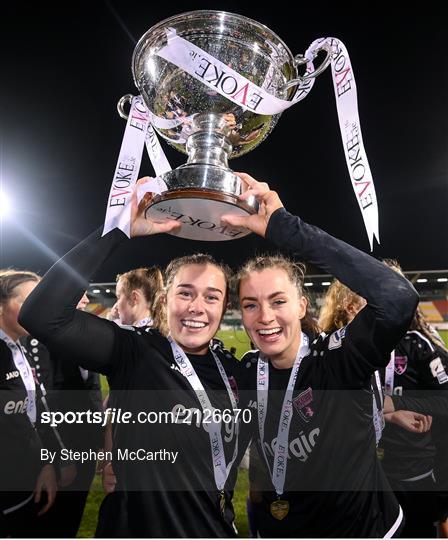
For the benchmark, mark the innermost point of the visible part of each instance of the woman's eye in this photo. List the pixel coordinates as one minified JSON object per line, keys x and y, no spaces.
{"x":279,"y":302}
{"x":212,"y":298}
{"x":184,"y":293}
{"x":248,"y":306}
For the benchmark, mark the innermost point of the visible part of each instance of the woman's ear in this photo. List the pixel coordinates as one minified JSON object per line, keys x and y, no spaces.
{"x":303,"y":304}
{"x":135,"y":297}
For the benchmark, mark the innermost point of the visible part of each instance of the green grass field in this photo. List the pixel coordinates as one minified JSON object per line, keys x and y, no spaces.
{"x":231,"y":338}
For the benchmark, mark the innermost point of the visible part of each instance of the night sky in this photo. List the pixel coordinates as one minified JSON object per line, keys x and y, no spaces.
{"x":65,"y":65}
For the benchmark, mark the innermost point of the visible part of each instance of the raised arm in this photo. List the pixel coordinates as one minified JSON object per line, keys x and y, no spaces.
{"x":50,"y":313}
{"x":391,"y":299}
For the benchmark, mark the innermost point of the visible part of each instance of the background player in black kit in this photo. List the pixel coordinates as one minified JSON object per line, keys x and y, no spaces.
{"x":23,"y":476}
{"x":316,"y":431}
{"x":417,"y":377}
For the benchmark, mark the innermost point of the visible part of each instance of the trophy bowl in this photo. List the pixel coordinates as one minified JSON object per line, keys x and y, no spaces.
{"x":202,"y":122}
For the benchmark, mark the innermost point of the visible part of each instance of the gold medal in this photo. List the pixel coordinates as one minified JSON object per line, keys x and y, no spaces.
{"x":380,"y":453}
{"x":279,"y":509}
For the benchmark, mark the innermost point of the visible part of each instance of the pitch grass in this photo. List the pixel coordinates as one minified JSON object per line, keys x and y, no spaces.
{"x":231,"y":338}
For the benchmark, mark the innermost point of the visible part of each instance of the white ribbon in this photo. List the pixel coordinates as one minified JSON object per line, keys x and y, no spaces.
{"x":26,"y":374}
{"x":378,"y":415}
{"x":219,"y":77}
{"x":349,"y":124}
{"x":220,"y":469}
{"x":118,"y":213}
{"x":389,"y":375}
{"x":278,"y":473}
{"x":156,"y":154}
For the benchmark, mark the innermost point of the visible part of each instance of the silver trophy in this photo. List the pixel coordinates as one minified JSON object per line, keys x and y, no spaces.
{"x":202,"y":121}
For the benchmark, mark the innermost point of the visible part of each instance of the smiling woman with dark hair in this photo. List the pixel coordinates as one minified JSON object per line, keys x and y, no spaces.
{"x":182,"y":376}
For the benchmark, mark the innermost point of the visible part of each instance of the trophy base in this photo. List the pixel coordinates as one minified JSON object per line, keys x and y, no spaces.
{"x":200,"y":213}
{"x":198,"y":195}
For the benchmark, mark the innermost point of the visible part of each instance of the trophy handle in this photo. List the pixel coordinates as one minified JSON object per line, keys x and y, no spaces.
{"x":300,"y":60}
{"x":120,"y":105}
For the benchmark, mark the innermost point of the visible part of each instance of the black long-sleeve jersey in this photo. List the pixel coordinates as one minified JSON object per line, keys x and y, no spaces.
{"x":420,"y":383}
{"x":334,"y":483}
{"x":68,"y":388}
{"x":164,"y":498}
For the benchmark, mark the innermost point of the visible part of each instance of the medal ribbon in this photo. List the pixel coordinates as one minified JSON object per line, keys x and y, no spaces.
{"x":220,"y":469}
{"x":278,"y":473}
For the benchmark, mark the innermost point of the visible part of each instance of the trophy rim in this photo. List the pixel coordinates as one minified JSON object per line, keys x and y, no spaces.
{"x":203,"y":194}
{"x":173,"y":18}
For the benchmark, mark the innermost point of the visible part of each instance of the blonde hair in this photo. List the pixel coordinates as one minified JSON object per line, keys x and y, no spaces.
{"x":333,"y":313}
{"x":10,"y":279}
{"x":150,"y":282}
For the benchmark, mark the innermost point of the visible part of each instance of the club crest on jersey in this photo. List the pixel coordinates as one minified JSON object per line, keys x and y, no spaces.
{"x":303,"y":404}
{"x":401,"y":364}
{"x":336,"y":338}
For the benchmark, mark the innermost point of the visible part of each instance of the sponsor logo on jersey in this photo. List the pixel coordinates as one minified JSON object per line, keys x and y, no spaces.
{"x":401,"y":364}
{"x":16,"y":407}
{"x":301,"y":447}
{"x":175,"y":367}
{"x":438,"y":371}
{"x":336,"y":338}
{"x":12,"y":375}
{"x":303,"y":404}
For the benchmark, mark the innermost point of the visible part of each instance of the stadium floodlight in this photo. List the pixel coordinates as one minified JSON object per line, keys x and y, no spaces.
{"x":308,"y":283}
{"x":96,"y":291}
{"x":442,"y":279}
{"x":422,"y":280}
{"x":5,"y":205}
{"x":326,"y":283}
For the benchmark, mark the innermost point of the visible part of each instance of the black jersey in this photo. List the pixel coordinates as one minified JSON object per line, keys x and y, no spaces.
{"x":68,"y":388}
{"x":164,"y":497}
{"x":334,"y":483}
{"x":419,"y":378}
{"x":20,"y":446}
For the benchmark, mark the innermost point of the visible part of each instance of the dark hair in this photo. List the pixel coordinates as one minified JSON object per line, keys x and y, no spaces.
{"x":10,"y":279}
{"x":295,"y":272}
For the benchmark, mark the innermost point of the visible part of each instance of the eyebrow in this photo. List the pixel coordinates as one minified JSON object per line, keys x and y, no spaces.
{"x":188,"y":286}
{"x":273,"y":295}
